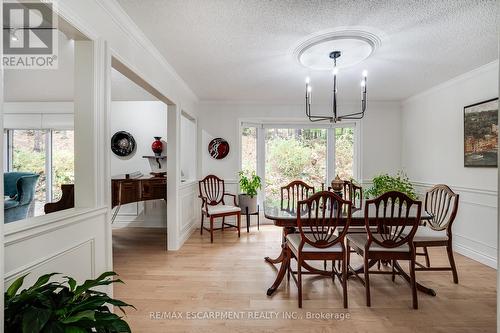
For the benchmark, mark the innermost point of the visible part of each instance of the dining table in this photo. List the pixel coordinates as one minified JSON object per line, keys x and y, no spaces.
{"x":285,"y":216}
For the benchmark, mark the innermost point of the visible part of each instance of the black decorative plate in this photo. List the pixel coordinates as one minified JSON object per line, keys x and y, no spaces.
{"x":218,"y":148}
{"x":122,"y":143}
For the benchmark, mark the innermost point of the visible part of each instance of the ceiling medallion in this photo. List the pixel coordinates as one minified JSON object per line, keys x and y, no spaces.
{"x":355,"y":46}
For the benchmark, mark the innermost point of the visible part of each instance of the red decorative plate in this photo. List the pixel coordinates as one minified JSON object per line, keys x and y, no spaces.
{"x":218,"y":148}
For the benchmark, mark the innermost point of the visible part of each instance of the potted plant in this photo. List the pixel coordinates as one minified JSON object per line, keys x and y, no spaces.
{"x":63,"y":306}
{"x":249,"y":184}
{"x":385,"y":183}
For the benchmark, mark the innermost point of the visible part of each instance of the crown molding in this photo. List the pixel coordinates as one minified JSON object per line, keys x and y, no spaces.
{"x":492,"y":66}
{"x":285,"y":103}
{"x":123,"y":20}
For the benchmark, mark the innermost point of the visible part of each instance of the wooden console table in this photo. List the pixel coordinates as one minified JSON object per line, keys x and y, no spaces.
{"x":134,"y":189}
{"x":124,"y":189}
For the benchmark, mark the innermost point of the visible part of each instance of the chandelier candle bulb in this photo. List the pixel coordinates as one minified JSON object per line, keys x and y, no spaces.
{"x":365,"y":73}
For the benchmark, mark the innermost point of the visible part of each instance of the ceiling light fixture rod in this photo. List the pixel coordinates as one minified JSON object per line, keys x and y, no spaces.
{"x":335,"y":118}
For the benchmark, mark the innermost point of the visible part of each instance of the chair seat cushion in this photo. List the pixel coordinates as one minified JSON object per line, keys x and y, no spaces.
{"x":293,"y":241}
{"x":222,"y":209}
{"x":426,"y":234}
{"x":10,"y":203}
{"x":360,"y":241}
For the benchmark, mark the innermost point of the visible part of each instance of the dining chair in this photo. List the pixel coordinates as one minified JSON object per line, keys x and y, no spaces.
{"x":442,"y":204}
{"x":318,"y":218}
{"x":392,"y":213}
{"x":212,"y":192}
{"x":295,"y":191}
{"x":353,"y":193}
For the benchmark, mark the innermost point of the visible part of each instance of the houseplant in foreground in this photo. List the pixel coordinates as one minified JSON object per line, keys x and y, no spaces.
{"x":249,"y":184}
{"x":385,"y":183}
{"x":63,"y":307}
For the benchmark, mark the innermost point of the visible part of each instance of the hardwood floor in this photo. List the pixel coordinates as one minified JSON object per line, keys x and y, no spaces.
{"x":231,"y":277}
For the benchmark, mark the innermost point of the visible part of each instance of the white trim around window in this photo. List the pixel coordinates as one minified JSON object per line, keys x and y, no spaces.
{"x":261,"y":126}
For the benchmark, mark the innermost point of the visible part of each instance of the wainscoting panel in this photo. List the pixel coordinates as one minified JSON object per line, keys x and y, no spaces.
{"x":190,"y":215}
{"x":83,"y":253}
{"x":74,"y":246}
{"x":475,"y":228}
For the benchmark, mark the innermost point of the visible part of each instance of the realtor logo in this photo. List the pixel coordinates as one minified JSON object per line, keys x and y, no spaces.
{"x":29,"y":35}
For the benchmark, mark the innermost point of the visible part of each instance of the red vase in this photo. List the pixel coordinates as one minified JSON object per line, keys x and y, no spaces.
{"x":157,"y":146}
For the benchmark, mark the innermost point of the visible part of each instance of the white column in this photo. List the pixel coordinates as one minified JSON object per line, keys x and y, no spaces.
{"x":85,"y":129}
{"x":173,"y":176}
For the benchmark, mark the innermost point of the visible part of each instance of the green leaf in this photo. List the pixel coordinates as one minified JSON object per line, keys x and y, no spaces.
{"x":71,"y":283}
{"x":42,"y":280}
{"x":53,"y":327}
{"x":74,"y":329}
{"x":87,"y":314}
{"x":14,"y":287}
{"x":121,"y":326}
{"x":35,"y":319}
{"x":50,"y":307}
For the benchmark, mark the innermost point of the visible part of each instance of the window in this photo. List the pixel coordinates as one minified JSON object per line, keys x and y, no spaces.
{"x":294,"y":154}
{"x":249,"y":149}
{"x":282,"y":153}
{"x":28,"y":155}
{"x":344,"y":152}
{"x":49,"y":153}
{"x":63,"y":161}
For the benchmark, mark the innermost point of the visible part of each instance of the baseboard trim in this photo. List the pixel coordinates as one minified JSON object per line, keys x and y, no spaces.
{"x":139,"y":224}
{"x":185,"y":236}
{"x":475,"y":255}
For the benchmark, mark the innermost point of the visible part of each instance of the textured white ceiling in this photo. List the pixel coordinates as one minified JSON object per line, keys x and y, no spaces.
{"x":57,"y":85}
{"x":240,"y":50}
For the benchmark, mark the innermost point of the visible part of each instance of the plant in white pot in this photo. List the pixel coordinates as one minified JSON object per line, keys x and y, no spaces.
{"x":249,"y":184}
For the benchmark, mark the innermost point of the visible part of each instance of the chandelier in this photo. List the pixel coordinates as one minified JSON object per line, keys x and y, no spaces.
{"x":335,"y":117}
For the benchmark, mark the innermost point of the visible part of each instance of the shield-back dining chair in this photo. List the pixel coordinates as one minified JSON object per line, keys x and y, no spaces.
{"x":318,"y":218}
{"x":442,"y":204}
{"x":212,"y":193}
{"x":295,"y":191}
{"x":396,"y":217}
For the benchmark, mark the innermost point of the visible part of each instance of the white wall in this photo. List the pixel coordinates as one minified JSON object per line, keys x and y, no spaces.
{"x":432,"y":152}
{"x":379,"y":133}
{"x":78,"y":242}
{"x":144,"y":120}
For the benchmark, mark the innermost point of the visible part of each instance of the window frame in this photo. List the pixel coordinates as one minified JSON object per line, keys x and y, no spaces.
{"x":330,"y":173}
{"x":49,"y":167}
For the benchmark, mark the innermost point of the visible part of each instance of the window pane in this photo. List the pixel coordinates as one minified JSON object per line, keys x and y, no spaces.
{"x":294,"y":154}
{"x":63,"y":168}
{"x":344,"y":152}
{"x":249,"y":149}
{"x":28,"y":155}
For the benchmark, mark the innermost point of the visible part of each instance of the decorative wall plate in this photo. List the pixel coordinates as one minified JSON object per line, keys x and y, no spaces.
{"x":218,"y":148}
{"x":122,"y":143}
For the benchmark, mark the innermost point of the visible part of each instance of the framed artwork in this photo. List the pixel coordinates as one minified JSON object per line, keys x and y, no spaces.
{"x":481,"y":134}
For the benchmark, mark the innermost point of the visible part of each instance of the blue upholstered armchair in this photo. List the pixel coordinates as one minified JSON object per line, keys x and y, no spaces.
{"x":19,"y":192}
